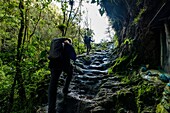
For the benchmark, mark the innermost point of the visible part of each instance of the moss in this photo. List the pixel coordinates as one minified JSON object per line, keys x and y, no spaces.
{"x":125,"y":100}
{"x":110,"y":71}
{"x":146,"y":96}
{"x":126,"y":80}
{"x":160,"y":109}
{"x":115,"y":40}
{"x":136,"y":20}
{"x":124,"y":64}
{"x":128,"y":41}
{"x":118,"y":64}
{"x":139,"y":105}
{"x":132,"y":79}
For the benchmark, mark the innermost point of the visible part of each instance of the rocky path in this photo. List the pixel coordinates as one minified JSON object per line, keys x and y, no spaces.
{"x":94,"y":91}
{"x":89,"y":71}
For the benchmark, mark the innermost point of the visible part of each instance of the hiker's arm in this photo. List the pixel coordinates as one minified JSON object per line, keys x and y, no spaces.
{"x":92,"y":40}
{"x":70,"y":50}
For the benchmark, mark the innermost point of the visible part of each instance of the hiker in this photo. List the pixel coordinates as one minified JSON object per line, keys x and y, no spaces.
{"x":61,"y":51}
{"x":87,"y":42}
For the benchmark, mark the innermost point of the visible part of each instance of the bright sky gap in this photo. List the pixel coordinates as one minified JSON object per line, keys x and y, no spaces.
{"x":97,"y":23}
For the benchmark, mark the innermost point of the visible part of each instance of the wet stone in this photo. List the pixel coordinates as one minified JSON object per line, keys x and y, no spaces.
{"x":98,"y":109}
{"x":89,"y":71}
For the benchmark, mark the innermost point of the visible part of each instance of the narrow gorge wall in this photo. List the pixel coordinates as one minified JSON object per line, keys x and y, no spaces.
{"x":146,"y":23}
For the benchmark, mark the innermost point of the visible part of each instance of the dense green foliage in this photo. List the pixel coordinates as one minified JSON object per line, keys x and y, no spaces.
{"x":27,"y":28}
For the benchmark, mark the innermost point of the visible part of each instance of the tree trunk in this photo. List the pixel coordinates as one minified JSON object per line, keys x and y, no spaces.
{"x":18,"y":77}
{"x":69,"y":17}
{"x":19,"y":54}
{"x":64,"y":15}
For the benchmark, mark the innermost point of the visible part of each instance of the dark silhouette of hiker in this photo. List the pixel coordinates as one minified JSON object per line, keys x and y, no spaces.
{"x":61,"y":51}
{"x":87,"y":42}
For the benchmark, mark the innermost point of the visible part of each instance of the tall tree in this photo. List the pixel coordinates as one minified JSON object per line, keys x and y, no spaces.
{"x":18,"y":77}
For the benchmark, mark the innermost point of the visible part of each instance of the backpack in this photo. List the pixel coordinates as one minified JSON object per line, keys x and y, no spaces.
{"x":56,"y":48}
{"x":70,"y":51}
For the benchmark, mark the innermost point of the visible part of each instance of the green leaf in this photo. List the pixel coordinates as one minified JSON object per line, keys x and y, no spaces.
{"x":2,"y":74}
{"x":43,"y":54}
